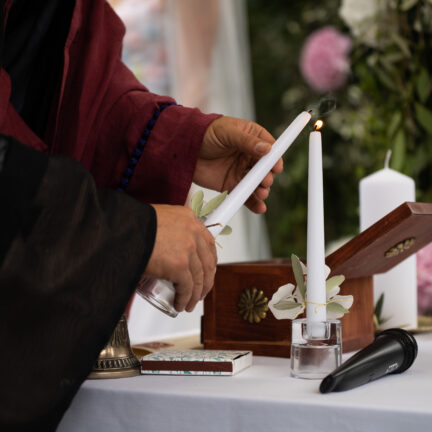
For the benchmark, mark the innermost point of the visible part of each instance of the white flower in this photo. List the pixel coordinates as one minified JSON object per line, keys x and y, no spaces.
{"x":288,"y":301}
{"x":285,"y":304}
{"x":362,"y":18}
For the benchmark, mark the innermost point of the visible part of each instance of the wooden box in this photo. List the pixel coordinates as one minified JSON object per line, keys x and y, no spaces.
{"x":379,"y":248}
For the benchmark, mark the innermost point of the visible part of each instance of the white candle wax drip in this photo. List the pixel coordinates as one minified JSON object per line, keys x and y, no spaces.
{"x":316,"y":288}
{"x":255,"y":176}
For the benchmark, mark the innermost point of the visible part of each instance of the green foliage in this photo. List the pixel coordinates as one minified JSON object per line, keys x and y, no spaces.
{"x":336,"y":308}
{"x":334,"y":282}
{"x":202,"y":209}
{"x":212,"y":204}
{"x":377,"y":317}
{"x":298,"y":275}
{"x":385,"y":105}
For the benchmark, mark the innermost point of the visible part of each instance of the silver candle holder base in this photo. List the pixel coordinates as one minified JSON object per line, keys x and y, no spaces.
{"x":316,"y":348}
{"x":160,"y":293}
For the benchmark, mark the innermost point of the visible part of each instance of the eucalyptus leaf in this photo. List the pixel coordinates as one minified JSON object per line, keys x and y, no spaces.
{"x":336,"y":308}
{"x":399,"y":151}
{"x":226,"y":230}
{"x":423,"y":85}
{"x":298,"y":274}
{"x":402,"y":43}
{"x":394,"y":57}
{"x":408,"y":4}
{"x":385,"y":79}
{"x":333,"y":282}
{"x":213,"y":204}
{"x":424,"y":117}
{"x":378,"y":308}
{"x":394,"y":124}
{"x":197,"y":202}
{"x":285,"y":304}
{"x":375,"y":322}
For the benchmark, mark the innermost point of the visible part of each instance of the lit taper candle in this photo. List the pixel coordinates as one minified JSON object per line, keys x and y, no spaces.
{"x":316,"y":288}
{"x":239,"y":195}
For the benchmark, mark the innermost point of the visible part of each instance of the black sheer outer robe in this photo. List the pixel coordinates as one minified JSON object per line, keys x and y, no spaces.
{"x":70,"y":261}
{"x":71,"y":254}
{"x":70,"y":258}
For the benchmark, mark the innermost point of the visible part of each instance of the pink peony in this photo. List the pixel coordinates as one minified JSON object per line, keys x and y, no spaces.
{"x":324,"y":60}
{"x":424,"y":279}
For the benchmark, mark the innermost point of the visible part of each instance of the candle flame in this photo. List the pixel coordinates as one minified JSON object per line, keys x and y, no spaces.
{"x":318,"y":124}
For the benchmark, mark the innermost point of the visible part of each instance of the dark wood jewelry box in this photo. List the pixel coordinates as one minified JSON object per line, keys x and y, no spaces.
{"x":385,"y":244}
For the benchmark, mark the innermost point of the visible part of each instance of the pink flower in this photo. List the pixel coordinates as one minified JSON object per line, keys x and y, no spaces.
{"x":324,"y":60}
{"x":424,"y":279}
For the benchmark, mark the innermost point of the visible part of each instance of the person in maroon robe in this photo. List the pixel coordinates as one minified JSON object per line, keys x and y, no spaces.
{"x":94,"y":171}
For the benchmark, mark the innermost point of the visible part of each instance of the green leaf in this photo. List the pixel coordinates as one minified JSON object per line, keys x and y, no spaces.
{"x":333,"y":282}
{"x":394,"y":123}
{"x":375,"y":322}
{"x":213,"y":204}
{"x":402,"y":43}
{"x":378,"y":307}
{"x":298,"y":274}
{"x":398,"y":151}
{"x":408,"y":4}
{"x":226,"y":231}
{"x":423,"y":86}
{"x":424,"y":117}
{"x":386,"y":79}
{"x":285,"y":304}
{"x":197,"y":202}
{"x":336,"y":308}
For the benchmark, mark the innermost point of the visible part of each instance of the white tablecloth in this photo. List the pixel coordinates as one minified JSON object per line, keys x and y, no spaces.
{"x":261,"y":398}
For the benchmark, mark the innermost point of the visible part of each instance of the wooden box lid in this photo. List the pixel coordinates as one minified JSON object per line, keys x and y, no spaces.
{"x":386,"y":243}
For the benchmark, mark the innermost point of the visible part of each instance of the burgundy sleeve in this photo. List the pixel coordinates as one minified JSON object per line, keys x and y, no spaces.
{"x":148,"y":145}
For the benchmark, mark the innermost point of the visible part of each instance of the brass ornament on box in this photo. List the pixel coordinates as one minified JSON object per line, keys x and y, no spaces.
{"x":253,"y":305}
{"x":400,"y":247}
{"x":116,"y":360}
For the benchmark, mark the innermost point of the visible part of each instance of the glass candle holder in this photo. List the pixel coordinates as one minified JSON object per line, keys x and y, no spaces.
{"x":316,"y":348}
{"x":160,"y":293}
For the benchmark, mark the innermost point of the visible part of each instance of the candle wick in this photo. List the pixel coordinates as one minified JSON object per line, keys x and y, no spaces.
{"x":387,"y":158}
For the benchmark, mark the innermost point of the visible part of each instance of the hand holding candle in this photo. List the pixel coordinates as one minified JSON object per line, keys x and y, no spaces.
{"x":238,"y":196}
{"x":160,"y":293}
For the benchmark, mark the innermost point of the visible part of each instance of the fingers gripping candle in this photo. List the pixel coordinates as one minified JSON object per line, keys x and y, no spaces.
{"x":159,"y":292}
{"x":316,"y":288}
{"x":239,"y":195}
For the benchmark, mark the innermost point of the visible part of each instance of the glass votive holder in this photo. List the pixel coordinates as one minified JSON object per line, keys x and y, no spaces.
{"x":316,"y":348}
{"x":160,"y":293}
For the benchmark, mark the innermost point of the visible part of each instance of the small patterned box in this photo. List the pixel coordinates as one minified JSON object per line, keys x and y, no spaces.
{"x":195,"y":362}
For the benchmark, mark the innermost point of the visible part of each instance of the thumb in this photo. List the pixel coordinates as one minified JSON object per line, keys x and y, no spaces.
{"x":247,"y":142}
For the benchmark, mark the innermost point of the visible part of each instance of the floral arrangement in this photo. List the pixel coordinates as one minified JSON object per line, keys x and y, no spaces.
{"x":289,"y":301}
{"x":384,"y":101}
{"x":424,"y":280}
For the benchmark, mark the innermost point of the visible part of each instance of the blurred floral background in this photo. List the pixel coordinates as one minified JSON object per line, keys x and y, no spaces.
{"x":374,"y":58}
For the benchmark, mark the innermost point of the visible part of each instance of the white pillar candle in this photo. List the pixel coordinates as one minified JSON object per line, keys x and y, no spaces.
{"x":380,"y":193}
{"x":255,"y":176}
{"x":316,"y":289}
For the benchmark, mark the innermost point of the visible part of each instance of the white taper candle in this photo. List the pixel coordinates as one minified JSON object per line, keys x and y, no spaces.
{"x":255,"y":176}
{"x":316,"y":289}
